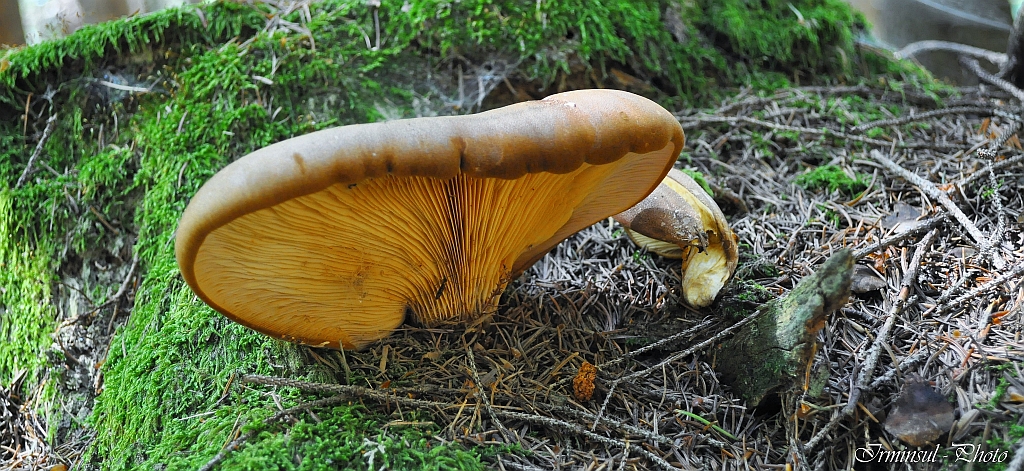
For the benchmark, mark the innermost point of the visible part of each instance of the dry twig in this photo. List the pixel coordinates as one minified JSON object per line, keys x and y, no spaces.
{"x":929,"y":189}
{"x":975,"y":68}
{"x":978,"y":110}
{"x":913,"y":49}
{"x":946,"y":307}
{"x":50,"y":123}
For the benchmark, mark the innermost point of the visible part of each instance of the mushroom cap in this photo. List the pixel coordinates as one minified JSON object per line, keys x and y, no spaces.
{"x":680,"y":220}
{"x":331,"y":238}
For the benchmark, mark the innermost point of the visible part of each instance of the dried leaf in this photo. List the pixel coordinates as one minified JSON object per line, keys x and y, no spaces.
{"x":865,"y":281}
{"x":921,"y":415}
{"x":903,"y":219}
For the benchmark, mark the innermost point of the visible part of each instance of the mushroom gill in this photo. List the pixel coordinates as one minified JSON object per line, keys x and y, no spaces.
{"x":439,"y":250}
{"x":332,"y":238}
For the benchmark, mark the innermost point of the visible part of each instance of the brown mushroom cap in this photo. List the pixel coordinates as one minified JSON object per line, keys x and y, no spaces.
{"x":330,"y":238}
{"x":680,"y":220}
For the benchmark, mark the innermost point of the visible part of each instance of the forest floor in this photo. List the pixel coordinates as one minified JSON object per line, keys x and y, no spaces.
{"x":802,"y":173}
{"x":922,"y":183}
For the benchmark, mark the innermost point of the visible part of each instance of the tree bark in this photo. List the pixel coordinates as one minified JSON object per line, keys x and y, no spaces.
{"x":775,"y":351}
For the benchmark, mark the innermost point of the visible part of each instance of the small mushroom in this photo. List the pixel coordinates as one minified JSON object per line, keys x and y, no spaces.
{"x":680,"y":220}
{"x":333,"y":238}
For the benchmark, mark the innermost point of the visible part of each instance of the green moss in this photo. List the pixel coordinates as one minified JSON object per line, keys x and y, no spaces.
{"x":638,"y":341}
{"x":833,"y":178}
{"x":719,"y":44}
{"x":745,"y":296}
{"x":785,"y":36}
{"x":61,"y":60}
{"x":699,"y":178}
{"x":346,"y":440}
{"x":1001,"y":448}
{"x":26,"y":315}
{"x":999,"y":393}
{"x":755,"y":293}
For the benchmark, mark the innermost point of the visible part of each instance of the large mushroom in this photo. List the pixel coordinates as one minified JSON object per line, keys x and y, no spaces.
{"x":680,"y":220}
{"x":333,"y":238}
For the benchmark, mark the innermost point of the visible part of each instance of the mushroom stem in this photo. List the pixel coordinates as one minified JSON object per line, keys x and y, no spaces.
{"x":680,"y":220}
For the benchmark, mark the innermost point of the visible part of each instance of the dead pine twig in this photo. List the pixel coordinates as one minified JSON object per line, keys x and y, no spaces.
{"x":933,"y":192}
{"x":904,"y":365}
{"x":603,"y":368}
{"x":906,"y":287}
{"x":50,"y":123}
{"x":124,"y":284}
{"x":996,"y":198}
{"x":113,"y":299}
{"x":974,"y":293}
{"x":1008,"y":162}
{"x":975,"y":68}
{"x":926,"y":225}
{"x":1015,"y":125}
{"x":695,"y":122}
{"x":481,"y":395}
{"x":978,"y":110}
{"x":864,"y":379}
{"x":103,"y":220}
{"x":556,"y":423}
{"x":625,"y":427}
{"x":675,"y":356}
{"x":913,"y":49}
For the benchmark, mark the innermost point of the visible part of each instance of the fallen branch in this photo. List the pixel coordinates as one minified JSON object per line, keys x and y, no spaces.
{"x":482,"y":396}
{"x":906,"y":287}
{"x":697,"y":121}
{"x":926,"y":225}
{"x":904,"y":365}
{"x":978,"y":291}
{"x":978,"y":110}
{"x":929,"y":189}
{"x":39,"y":148}
{"x":975,"y":68}
{"x":912,"y":49}
{"x":996,"y":198}
{"x":1008,"y":162}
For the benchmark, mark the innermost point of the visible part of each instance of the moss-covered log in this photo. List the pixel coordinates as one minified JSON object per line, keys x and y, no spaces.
{"x":774,"y":352}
